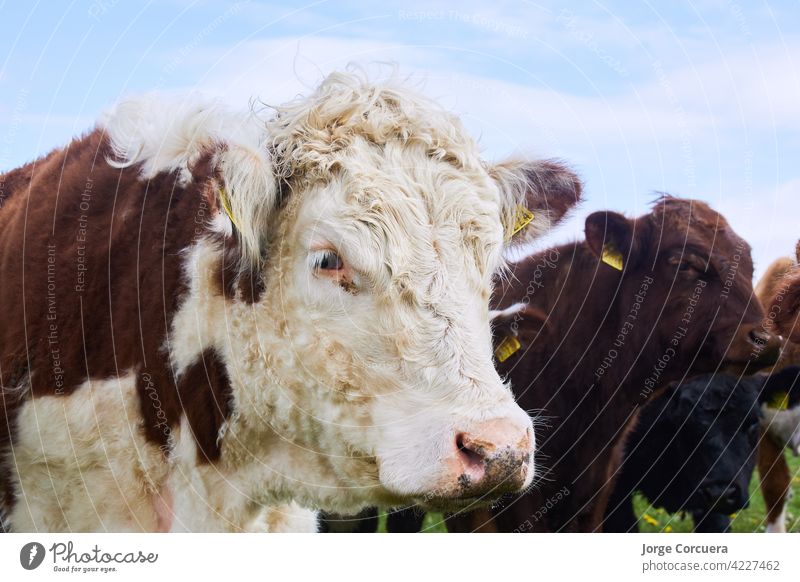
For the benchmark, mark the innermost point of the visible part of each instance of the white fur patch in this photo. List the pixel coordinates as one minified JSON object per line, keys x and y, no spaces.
{"x":167,"y":134}
{"x":779,"y":525}
{"x":289,"y":518}
{"x":507,"y":312}
{"x":82,"y":463}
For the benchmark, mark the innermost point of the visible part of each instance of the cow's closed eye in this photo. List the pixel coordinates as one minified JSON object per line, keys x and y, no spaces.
{"x":689,"y":264}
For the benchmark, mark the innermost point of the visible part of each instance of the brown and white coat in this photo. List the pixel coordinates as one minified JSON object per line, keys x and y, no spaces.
{"x":212,"y":320}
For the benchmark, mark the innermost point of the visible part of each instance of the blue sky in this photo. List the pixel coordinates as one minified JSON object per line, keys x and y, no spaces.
{"x":698,"y":98}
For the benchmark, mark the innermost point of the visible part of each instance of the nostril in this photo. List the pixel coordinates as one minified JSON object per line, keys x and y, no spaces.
{"x":758,"y":338}
{"x":472,"y":455}
{"x":732,"y":495}
{"x":469,"y":451}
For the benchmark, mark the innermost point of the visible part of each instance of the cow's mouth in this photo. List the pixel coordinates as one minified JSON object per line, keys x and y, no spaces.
{"x":460,"y":503}
{"x":506,"y":476}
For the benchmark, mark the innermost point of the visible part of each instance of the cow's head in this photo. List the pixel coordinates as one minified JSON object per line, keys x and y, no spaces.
{"x":706,"y":435}
{"x":701,"y":296}
{"x":366,"y":233}
{"x":784,"y":307}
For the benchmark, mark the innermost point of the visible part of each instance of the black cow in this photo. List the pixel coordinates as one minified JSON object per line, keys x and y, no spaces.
{"x":694,"y":449}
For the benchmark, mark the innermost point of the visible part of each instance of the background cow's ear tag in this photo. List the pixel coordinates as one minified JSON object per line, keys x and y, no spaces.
{"x":523,"y":218}
{"x":779,"y":401}
{"x":507,"y":348}
{"x":226,"y":206}
{"x":612,"y":257}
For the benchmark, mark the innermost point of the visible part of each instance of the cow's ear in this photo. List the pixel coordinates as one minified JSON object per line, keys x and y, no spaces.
{"x":514,"y":329}
{"x":610,"y":236}
{"x":206,"y":144}
{"x":245,"y":194}
{"x":536,"y":195}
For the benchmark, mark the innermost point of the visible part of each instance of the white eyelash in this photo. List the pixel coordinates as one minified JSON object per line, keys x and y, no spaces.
{"x":315,"y":258}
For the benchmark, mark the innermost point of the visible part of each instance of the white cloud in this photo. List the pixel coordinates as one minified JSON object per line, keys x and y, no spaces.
{"x":276,"y":70}
{"x":756,"y":88}
{"x":753,"y":92}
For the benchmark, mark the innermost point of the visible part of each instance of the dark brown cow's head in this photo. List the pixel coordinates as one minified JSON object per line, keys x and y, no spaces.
{"x":702,"y":275}
{"x":588,"y":332}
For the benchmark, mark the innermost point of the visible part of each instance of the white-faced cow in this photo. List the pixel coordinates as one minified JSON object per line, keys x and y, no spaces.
{"x":212,"y":320}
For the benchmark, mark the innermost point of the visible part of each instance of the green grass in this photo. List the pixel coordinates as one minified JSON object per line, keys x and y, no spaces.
{"x":434,"y":523}
{"x":652,"y":520}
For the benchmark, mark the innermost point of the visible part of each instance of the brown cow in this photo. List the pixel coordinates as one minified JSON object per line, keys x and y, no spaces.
{"x":601,"y":327}
{"x":774,"y":290}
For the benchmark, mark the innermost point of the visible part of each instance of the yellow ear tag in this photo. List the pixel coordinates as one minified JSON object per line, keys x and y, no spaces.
{"x":523,"y":219}
{"x":612,"y":257}
{"x":779,"y":401}
{"x":507,"y":348}
{"x":226,"y":206}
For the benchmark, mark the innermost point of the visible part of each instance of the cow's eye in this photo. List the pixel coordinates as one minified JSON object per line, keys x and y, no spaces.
{"x":688,"y":264}
{"x":327,"y":260}
{"x":328,"y":264}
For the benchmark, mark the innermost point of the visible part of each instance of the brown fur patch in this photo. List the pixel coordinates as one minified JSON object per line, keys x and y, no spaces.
{"x":206,"y":384}
{"x":775,"y":476}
